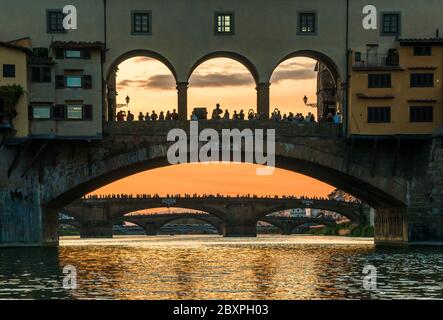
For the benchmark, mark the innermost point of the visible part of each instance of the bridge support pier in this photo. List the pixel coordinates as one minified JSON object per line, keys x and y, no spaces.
{"x":240,"y":229}
{"x":151,"y":229}
{"x":96,"y":229}
{"x":263,"y":99}
{"x":24,"y":222}
{"x":182,"y":103}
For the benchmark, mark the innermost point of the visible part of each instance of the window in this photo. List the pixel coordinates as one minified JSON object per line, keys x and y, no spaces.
{"x":421,"y":114}
{"x":307,"y":23}
{"x":74,"y":112}
{"x":358,"y":57}
{"x":2,"y":106}
{"x":224,"y":23}
{"x":422,"y":80}
{"x":391,"y":24}
{"x":423,"y":51}
{"x":41,"y":74}
{"x":141,"y":23}
{"x":379,"y":114}
{"x":55,"y":21}
{"x":73,"y":81}
{"x":73,"y":54}
{"x":41,"y":112}
{"x":40,"y":52}
{"x":9,"y":70}
{"x":379,"y":81}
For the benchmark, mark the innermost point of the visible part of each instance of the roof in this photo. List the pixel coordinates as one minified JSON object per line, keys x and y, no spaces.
{"x":77,"y":45}
{"x":421,"y":41}
{"x":15,"y":47}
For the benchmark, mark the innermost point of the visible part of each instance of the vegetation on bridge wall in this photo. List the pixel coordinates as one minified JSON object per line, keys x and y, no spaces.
{"x":11,"y":94}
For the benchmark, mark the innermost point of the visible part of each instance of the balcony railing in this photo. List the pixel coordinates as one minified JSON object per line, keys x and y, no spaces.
{"x":377,"y":61}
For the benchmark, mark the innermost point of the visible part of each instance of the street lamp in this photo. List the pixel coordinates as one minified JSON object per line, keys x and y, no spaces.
{"x":305,"y":100}
{"x":127,"y":101}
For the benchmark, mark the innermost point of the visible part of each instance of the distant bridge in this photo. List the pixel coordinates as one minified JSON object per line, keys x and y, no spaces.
{"x":237,"y":216}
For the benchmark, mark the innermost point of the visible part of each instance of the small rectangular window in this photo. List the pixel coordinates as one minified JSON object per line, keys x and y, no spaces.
{"x":379,"y":114}
{"x":141,"y":23}
{"x":55,"y":21}
{"x":40,"y":52}
{"x":423,"y":51}
{"x":74,"y":81}
{"x":41,"y":74}
{"x":391,"y":24}
{"x":379,"y":81}
{"x":73,"y":54}
{"x":307,"y":23}
{"x":9,"y":71}
{"x":74,"y":112}
{"x":41,"y":112}
{"x":421,"y":114}
{"x":224,"y":23}
{"x":422,"y":80}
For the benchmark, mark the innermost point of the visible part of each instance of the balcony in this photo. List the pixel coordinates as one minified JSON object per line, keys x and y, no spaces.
{"x":377,"y":61}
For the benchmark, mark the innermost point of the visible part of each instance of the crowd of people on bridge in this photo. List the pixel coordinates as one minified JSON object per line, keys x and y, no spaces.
{"x":129,"y":117}
{"x":219,"y":114}
{"x":204,"y":196}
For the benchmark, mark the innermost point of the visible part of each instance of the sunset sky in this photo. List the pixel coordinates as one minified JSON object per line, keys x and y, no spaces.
{"x":151,"y":86}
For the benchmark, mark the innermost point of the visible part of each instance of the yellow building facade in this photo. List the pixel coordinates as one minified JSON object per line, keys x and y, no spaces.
{"x":398,"y":92}
{"x":13,"y":71}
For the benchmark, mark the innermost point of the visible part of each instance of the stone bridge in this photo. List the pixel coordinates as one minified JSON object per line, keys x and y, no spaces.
{"x":153,"y":223}
{"x":239,"y":215}
{"x":401,"y":177}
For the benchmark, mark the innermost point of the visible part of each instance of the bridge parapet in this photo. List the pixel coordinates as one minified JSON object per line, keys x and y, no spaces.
{"x":161,"y":128}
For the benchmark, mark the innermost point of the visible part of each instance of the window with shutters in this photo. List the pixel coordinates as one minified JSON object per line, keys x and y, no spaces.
{"x":379,"y":80}
{"x":422,"y":80}
{"x":379,"y":114}
{"x":421,"y":114}
{"x":391,"y":23}
{"x":55,"y":21}
{"x":74,"y":81}
{"x":41,"y":74}
{"x":40,"y":112}
{"x":224,"y":23}
{"x":74,"y":112}
{"x":9,"y":71}
{"x":307,"y":23}
{"x":141,"y":23}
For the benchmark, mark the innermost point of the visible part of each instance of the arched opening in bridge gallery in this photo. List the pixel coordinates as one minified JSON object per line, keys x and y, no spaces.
{"x":141,"y":86}
{"x":224,"y":81}
{"x":304,"y":87}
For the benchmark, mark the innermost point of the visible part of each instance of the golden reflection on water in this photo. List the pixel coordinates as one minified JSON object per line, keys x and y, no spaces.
{"x":211,"y":267}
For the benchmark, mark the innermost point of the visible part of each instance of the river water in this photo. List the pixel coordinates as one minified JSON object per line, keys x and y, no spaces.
{"x":211,"y":267}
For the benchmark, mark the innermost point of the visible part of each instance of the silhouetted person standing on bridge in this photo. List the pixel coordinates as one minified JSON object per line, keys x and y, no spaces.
{"x":154,"y":116}
{"x":141,"y":117}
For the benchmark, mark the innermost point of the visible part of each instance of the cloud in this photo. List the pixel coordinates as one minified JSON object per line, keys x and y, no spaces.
{"x":294,"y":75}
{"x":213,"y":80}
{"x":294,"y":71}
{"x":157,"y":82}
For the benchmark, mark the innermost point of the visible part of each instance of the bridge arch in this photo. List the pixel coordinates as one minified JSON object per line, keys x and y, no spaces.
{"x":140,"y":53}
{"x":378,"y":192}
{"x":229,"y":55}
{"x":313,"y":54}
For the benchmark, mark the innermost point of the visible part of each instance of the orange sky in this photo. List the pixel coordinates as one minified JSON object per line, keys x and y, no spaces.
{"x":151,"y":87}
{"x":227,"y":179}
